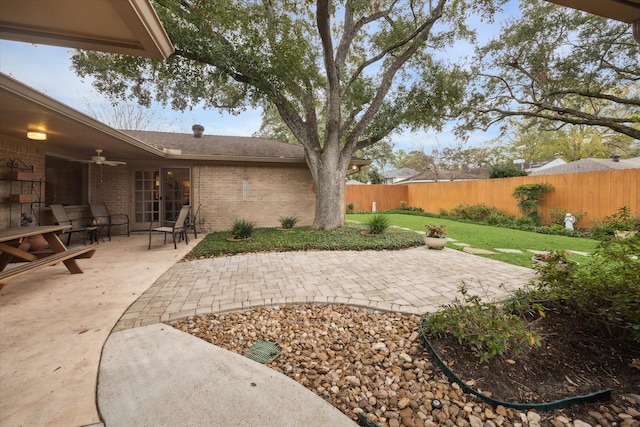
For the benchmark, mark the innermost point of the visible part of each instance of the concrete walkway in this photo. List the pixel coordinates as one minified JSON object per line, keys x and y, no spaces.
{"x":53,"y":325}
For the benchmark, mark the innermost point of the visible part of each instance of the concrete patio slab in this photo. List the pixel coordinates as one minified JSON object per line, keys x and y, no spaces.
{"x":53,"y":325}
{"x":158,"y":376}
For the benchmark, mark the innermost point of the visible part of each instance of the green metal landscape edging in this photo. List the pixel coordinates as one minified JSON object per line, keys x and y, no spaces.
{"x":545,"y":406}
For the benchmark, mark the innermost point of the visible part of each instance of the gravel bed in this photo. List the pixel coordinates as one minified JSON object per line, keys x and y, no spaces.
{"x":370,"y":363}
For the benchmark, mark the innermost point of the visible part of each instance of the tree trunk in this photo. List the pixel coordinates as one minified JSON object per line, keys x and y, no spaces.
{"x":329,"y":193}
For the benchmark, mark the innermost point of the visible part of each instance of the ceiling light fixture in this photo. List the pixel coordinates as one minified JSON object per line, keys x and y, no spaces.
{"x":38,"y":136}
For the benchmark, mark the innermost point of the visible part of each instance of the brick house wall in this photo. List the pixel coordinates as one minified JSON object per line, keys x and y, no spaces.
{"x":31,"y":153}
{"x":272,"y":191}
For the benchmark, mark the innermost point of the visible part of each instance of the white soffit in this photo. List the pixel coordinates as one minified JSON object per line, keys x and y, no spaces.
{"x":128,"y":27}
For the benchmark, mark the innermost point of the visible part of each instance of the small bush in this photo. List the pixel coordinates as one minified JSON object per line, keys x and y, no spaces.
{"x":484,"y":327}
{"x":477,"y":212}
{"x":288,"y":222}
{"x":242,"y":229}
{"x":605,"y":293}
{"x":350,"y":207}
{"x":404,"y":205}
{"x":378,"y":224}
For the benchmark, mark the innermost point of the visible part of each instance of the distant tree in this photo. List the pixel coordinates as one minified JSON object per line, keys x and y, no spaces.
{"x":375,"y":177}
{"x":127,"y":115}
{"x":416,"y":159}
{"x":506,"y":172}
{"x":562,"y":66}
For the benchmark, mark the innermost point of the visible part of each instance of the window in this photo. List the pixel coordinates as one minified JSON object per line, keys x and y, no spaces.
{"x":66,"y":182}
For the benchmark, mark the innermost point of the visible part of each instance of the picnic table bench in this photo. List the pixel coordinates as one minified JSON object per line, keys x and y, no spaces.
{"x":13,"y":245}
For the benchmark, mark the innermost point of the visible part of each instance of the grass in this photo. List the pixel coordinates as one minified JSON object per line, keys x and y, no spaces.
{"x":347,"y":238}
{"x":490,"y":238}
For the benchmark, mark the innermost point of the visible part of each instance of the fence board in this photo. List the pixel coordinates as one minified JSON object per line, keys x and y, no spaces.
{"x":596,"y":194}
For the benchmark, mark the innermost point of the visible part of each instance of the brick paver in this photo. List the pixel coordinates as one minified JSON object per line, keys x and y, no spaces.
{"x":410,"y":281}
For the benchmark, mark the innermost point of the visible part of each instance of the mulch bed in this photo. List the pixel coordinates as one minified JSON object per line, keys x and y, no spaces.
{"x":572,"y":360}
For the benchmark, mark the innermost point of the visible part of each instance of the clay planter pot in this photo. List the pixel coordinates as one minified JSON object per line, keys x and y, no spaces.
{"x":37,"y":243}
{"x":435,"y":242}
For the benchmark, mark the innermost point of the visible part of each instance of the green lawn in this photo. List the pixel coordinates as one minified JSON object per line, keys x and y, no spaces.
{"x":487,"y":237}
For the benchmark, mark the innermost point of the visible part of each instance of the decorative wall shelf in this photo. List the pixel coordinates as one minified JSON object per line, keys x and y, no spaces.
{"x":20,"y":192}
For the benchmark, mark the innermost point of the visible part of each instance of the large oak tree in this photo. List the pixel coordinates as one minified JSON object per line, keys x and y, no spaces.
{"x":341,"y":74}
{"x":561,"y":67}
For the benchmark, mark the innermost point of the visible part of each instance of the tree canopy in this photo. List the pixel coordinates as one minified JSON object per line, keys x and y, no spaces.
{"x":561,"y":65}
{"x":342,"y":75}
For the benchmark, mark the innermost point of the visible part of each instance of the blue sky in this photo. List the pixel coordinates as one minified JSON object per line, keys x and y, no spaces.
{"x":48,"y":70}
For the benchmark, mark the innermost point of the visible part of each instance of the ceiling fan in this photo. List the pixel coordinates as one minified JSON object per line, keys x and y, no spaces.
{"x":99,"y":159}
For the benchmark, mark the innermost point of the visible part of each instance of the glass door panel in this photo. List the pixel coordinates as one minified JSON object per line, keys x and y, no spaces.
{"x":175,"y":192}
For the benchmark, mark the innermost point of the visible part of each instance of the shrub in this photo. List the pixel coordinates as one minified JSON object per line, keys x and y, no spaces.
{"x":350,"y":207}
{"x":622,"y":220}
{"x":378,"y":223}
{"x":479,"y":212}
{"x":403,"y":205}
{"x":288,"y":222}
{"x":484,"y":327}
{"x":242,"y":229}
{"x":529,"y":195}
{"x":604,"y":293}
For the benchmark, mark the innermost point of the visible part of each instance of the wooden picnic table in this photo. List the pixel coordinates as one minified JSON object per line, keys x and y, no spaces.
{"x":13,"y":247}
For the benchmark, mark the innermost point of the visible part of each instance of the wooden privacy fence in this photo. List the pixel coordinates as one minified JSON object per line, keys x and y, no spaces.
{"x":595,"y":194}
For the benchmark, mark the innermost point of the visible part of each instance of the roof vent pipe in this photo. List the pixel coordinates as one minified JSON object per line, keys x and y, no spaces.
{"x":198,"y":130}
{"x":615,"y":158}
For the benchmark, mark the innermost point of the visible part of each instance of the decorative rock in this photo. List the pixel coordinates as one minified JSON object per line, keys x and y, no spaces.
{"x":379,"y":346}
{"x":475,"y":421}
{"x":533,"y":416}
{"x":405,"y":357}
{"x":403,"y":403}
{"x":633,"y":412}
{"x":363,"y":361}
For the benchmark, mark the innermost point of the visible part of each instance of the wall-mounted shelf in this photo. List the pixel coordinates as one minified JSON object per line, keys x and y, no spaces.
{"x":20,"y":192}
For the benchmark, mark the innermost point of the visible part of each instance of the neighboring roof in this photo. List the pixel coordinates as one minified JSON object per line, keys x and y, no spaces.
{"x":401,"y":173}
{"x":590,"y":165}
{"x":446,"y":175}
{"x":129,"y":27}
{"x":545,"y":165}
{"x":354,"y":182}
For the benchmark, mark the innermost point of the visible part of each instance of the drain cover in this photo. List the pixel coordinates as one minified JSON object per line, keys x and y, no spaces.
{"x":263,"y":351}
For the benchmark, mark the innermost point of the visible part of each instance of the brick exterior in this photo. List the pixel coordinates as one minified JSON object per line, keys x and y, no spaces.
{"x":31,"y":153}
{"x":274,"y":190}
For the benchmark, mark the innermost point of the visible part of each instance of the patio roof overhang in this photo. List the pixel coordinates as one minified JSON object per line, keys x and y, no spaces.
{"x":70,"y":133}
{"x":620,"y":10}
{"x":129,"y":27}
